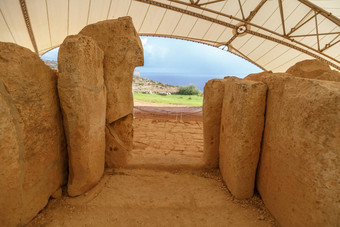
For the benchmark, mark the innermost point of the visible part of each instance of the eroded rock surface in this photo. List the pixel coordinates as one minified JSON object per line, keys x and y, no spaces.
{"x":212,"y":109}
{"x":119,"y":135}
{"x":123,"y":51}
{"x":298,"y":176}
{"x":11,"y":169}
{"x":242,"y":122}
{"x":38,"y":136}
{"x":314,"y":69}
{"x":83,"y":101}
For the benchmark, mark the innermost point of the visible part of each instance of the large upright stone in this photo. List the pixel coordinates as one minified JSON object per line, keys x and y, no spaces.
{"x":242,"y":122}
{"x":212,"y":109}
{"x":314,"y":69}
{"x":83,"y":101}
{"x":123,"y":51}
{"x":32,"y":87}
{"x":11,"y":162}
{"x":298,"y":176}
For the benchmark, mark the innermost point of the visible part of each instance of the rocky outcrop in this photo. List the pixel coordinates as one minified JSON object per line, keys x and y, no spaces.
{"x":314,"y":69}
{"x":212,"y":109}
{"x":123,"y":51}
{"x":242,"y":121}
{"x":83,"y":101}
{"x":34,"y":154}
{"x":298,"y":175}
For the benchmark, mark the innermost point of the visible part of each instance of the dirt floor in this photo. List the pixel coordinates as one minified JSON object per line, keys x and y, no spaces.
{"x":156,"y":198}
{"x":158,"y":191}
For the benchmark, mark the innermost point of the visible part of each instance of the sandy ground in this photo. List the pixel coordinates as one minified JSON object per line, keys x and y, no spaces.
{"x":159,"y":190}
{"x":156,"y":198}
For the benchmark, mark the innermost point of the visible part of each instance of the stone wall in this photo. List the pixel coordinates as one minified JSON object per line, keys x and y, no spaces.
{"x":33,"y":159}
{"x":33,"y":156}
{"x":298,"y":175}
{"x":299,"y":166}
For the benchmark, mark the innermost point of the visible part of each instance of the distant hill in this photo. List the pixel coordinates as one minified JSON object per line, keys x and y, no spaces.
{"x":51,"y":63}
{"x":145,"y":85}
{"x":140,"y":84}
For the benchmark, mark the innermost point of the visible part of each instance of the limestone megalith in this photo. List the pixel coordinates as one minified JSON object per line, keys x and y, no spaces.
{"x":212,"y":108}
{"x":32,"y":88}
{"x":314,"y":69}
{"x":83,"y":102}
{"x":298,"y":175}
{"x":123,"y":51}
{"x":242,"y":122}
{"x":11,"y":162}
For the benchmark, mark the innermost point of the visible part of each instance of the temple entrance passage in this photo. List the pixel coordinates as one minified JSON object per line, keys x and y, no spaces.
{"x":167,"y":137}
{"x":141,"y":197}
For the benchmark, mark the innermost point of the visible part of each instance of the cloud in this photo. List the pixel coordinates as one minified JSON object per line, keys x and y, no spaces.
{"x":144,"y":41}
{"x":154,"y":51}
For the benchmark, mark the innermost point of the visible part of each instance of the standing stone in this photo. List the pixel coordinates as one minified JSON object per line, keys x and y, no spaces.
{"x":32,"y":86}
{"x":83,"y":101}
{"x":242,"y":122}
{"x":212,"y":109}
{"x":314,"y":69}
{"x":11,"y":162}
{"x":123,"y":51}
{"x":298,"y":176}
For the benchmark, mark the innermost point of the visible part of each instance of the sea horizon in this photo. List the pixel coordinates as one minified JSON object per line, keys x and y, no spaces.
{"x":181,"y":79}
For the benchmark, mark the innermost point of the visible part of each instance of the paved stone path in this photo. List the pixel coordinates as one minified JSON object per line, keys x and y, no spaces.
{"x":167,"y":143}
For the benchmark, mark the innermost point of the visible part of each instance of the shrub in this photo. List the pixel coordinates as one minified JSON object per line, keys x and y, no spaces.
{"x":189,"y":90}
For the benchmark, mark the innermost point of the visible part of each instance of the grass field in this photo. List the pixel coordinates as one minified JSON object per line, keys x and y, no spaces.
{"x":192,"y":100}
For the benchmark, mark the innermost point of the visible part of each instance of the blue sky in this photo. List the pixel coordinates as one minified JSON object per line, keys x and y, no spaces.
{"x":174,"y":56}
{"x":166,"y":56}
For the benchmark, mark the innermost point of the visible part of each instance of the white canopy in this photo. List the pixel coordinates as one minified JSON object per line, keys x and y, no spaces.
{"x":273,"y":34}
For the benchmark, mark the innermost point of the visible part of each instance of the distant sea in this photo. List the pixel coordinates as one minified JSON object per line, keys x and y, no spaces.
{"x":182,"y":79}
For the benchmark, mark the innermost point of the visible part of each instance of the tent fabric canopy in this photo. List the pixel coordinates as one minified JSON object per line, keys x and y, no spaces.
{"x":273,"y":34}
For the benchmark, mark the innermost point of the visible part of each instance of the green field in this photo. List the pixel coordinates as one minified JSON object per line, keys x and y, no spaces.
{"x":192,"y":100}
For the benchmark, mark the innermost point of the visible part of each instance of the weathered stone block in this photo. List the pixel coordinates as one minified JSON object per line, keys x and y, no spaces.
{"x":242,"y":122}
{"x":298,"y":176}
{"x":212,"y":109}
{"x":32,"y":87}
{"x":123,"y":51}
{"x":11,"y":162}
{"x":83,"y":102}
{"x":314,"y":69}
{"x":119,"y":135}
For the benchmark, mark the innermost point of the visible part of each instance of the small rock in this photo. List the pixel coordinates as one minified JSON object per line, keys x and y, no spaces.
{"x":261,"y":217}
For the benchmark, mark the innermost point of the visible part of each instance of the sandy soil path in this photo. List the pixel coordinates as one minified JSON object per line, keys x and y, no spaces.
{"x":155,"y":198}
